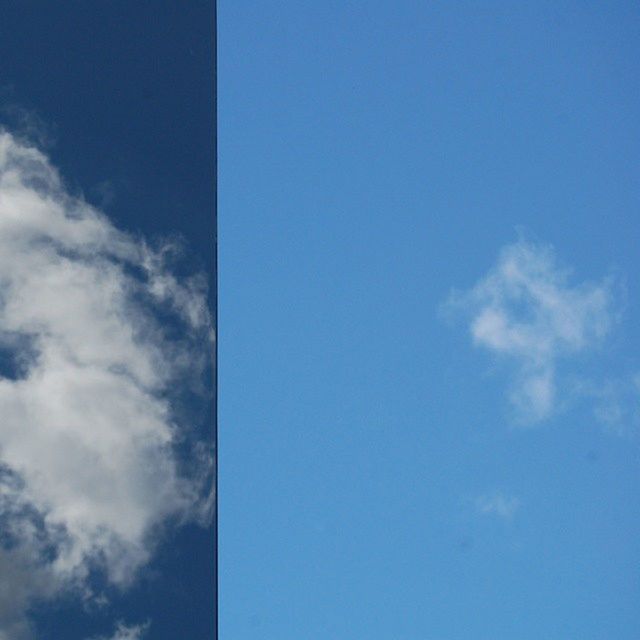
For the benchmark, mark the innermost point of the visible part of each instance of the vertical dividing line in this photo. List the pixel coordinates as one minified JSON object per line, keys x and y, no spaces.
{"x":216,"y":581}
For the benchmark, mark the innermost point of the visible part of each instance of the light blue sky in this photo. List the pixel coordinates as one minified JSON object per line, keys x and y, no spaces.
{"x":383,"y":474}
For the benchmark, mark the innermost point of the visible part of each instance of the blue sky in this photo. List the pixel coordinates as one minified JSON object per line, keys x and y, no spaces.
{"x":429,"y":320}
{"x":429,"y":373}
{"x":99,"y":463}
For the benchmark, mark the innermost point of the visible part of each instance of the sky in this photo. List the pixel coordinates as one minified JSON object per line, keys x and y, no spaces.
{"x":106,"y":252}
{"x":429,"y":400}
{"x":429,"y":320}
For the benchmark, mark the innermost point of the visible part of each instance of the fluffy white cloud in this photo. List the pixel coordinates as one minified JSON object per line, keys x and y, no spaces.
{"x":497,"y":504}
{"x":97,"y":338}
{"x":526,"y":309}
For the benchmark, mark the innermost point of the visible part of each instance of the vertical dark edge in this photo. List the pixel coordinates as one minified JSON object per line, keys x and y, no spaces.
{"x":215,"y":318}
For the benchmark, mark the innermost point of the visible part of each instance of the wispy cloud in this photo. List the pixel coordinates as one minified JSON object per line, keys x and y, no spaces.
{"x":97,"y":338}
{"x":527,"y":310}
{"x":124,"y":632}
{"x":497,"y":504}
{"x":615,"y":401}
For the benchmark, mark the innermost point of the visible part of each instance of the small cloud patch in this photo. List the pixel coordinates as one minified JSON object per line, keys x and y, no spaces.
{"x":497,"y":504}
{"x":527,"y":310}
{"x":125,"y":632}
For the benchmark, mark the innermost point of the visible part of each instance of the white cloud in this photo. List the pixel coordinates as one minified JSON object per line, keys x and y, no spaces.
{"x":497,"y":504}
{"x":525,"y":309}
{"x":89,"y":366}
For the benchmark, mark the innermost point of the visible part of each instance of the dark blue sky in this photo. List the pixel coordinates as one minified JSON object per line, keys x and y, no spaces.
{"x":126,"y":91}
{"x":121,"y":95}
